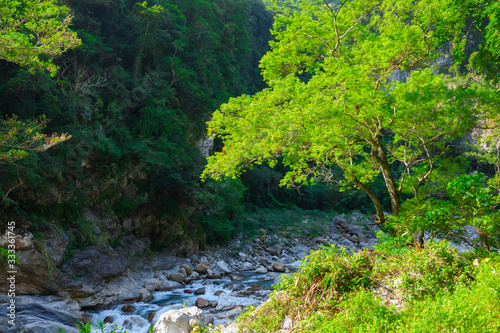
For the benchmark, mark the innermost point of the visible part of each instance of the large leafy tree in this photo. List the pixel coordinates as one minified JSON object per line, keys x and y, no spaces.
{"x":352,"y":84}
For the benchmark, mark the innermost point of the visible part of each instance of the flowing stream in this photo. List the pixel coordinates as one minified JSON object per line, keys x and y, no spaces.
{"x":137,"y":321}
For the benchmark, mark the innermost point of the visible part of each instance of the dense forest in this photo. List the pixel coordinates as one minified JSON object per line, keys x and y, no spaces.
{"x":130,"y":99}
{"x":175,"y":124}
{"x":134,"y":97}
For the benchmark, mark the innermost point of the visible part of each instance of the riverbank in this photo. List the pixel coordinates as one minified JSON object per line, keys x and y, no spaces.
{"x":98,"y":281}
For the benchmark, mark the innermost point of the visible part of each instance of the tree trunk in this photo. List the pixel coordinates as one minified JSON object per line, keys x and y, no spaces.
{"x":376,"y":202}
{"x":380,"y":156}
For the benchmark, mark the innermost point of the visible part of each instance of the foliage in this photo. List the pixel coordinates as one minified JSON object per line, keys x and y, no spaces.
{"x":374,"y":292}
{"x":333,"y":98}
{"x":471,"y":202}
{"x":33,"y":32}
{"x":18,"y":138}
{"x":135,"y":97}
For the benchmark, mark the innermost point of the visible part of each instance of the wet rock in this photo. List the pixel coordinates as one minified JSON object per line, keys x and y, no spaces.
{"x":151,"y":316}
{"x":194,"y":276}
{"x":214,"y":274}
{"x":127,"y":308}
{"x":279,"y":267}
{"x":275,"y":250}
{"x":109,"y":320}
{"x":178,"y":321}
{"x":218,"y":292}
{"x":247,"y":266}
{"x":213,"y":304}
{"x":201,"y":303}
{"x":188,"y":291}
{"x":200,"y":291}
{"x":235,"y":277}
{"x":227,"y":302}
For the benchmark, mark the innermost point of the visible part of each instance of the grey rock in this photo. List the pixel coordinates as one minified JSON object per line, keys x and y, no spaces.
{"x":223,"y":267}
{"x":261,"y":270}
{"x":91,"y":260}
{"x":274,"y":249}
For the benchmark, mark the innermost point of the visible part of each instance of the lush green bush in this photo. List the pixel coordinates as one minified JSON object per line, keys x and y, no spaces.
{"x":420,"y":290}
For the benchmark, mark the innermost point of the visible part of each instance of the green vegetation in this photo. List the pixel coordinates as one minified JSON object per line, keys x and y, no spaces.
{"x":429,"y":290}
{"x":333,"y":98}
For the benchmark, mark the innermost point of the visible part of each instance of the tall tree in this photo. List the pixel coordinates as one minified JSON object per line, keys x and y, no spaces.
{"x":334,"y":97}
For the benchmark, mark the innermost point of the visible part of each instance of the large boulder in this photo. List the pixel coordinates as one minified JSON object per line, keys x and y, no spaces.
{"x":91,"y":260}
{"x":179,"y":321}
{"x":35,"y":318}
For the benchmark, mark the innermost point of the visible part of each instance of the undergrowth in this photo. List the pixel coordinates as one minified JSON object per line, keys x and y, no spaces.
{"x":435,"y":289}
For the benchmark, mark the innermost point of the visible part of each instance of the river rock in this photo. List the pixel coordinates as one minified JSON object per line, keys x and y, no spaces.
{"x":226,"y":302}
{"x":194,"y":276}
{"x":222,"y":267}
{"x":109,"y":320}
{"x":248,"y":266}
{"x":300,"y":251}
{"x":275,"y":250}
{"x":127,"y":308}
{"x":151,"y":316}
{"x":178,"y":277}
{"x":235,"y":277}
{"x":293,"y":266}
{"x":202,"y":267}
{"x":201,"y":302}
{"x":188,"y":268}
{"x":362,"y":237}
{"x":200,"y":291}
{"x":261,"y":270}
{"x":279,"y":267}
{"x":178,"y":321}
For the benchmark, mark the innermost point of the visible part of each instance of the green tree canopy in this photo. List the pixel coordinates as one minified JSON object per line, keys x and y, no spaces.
{"x":32,"y":32}
{"x":353,"y":84}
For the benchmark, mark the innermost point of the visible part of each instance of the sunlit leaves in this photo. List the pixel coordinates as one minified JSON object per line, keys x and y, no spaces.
{"x":32,"y":33}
